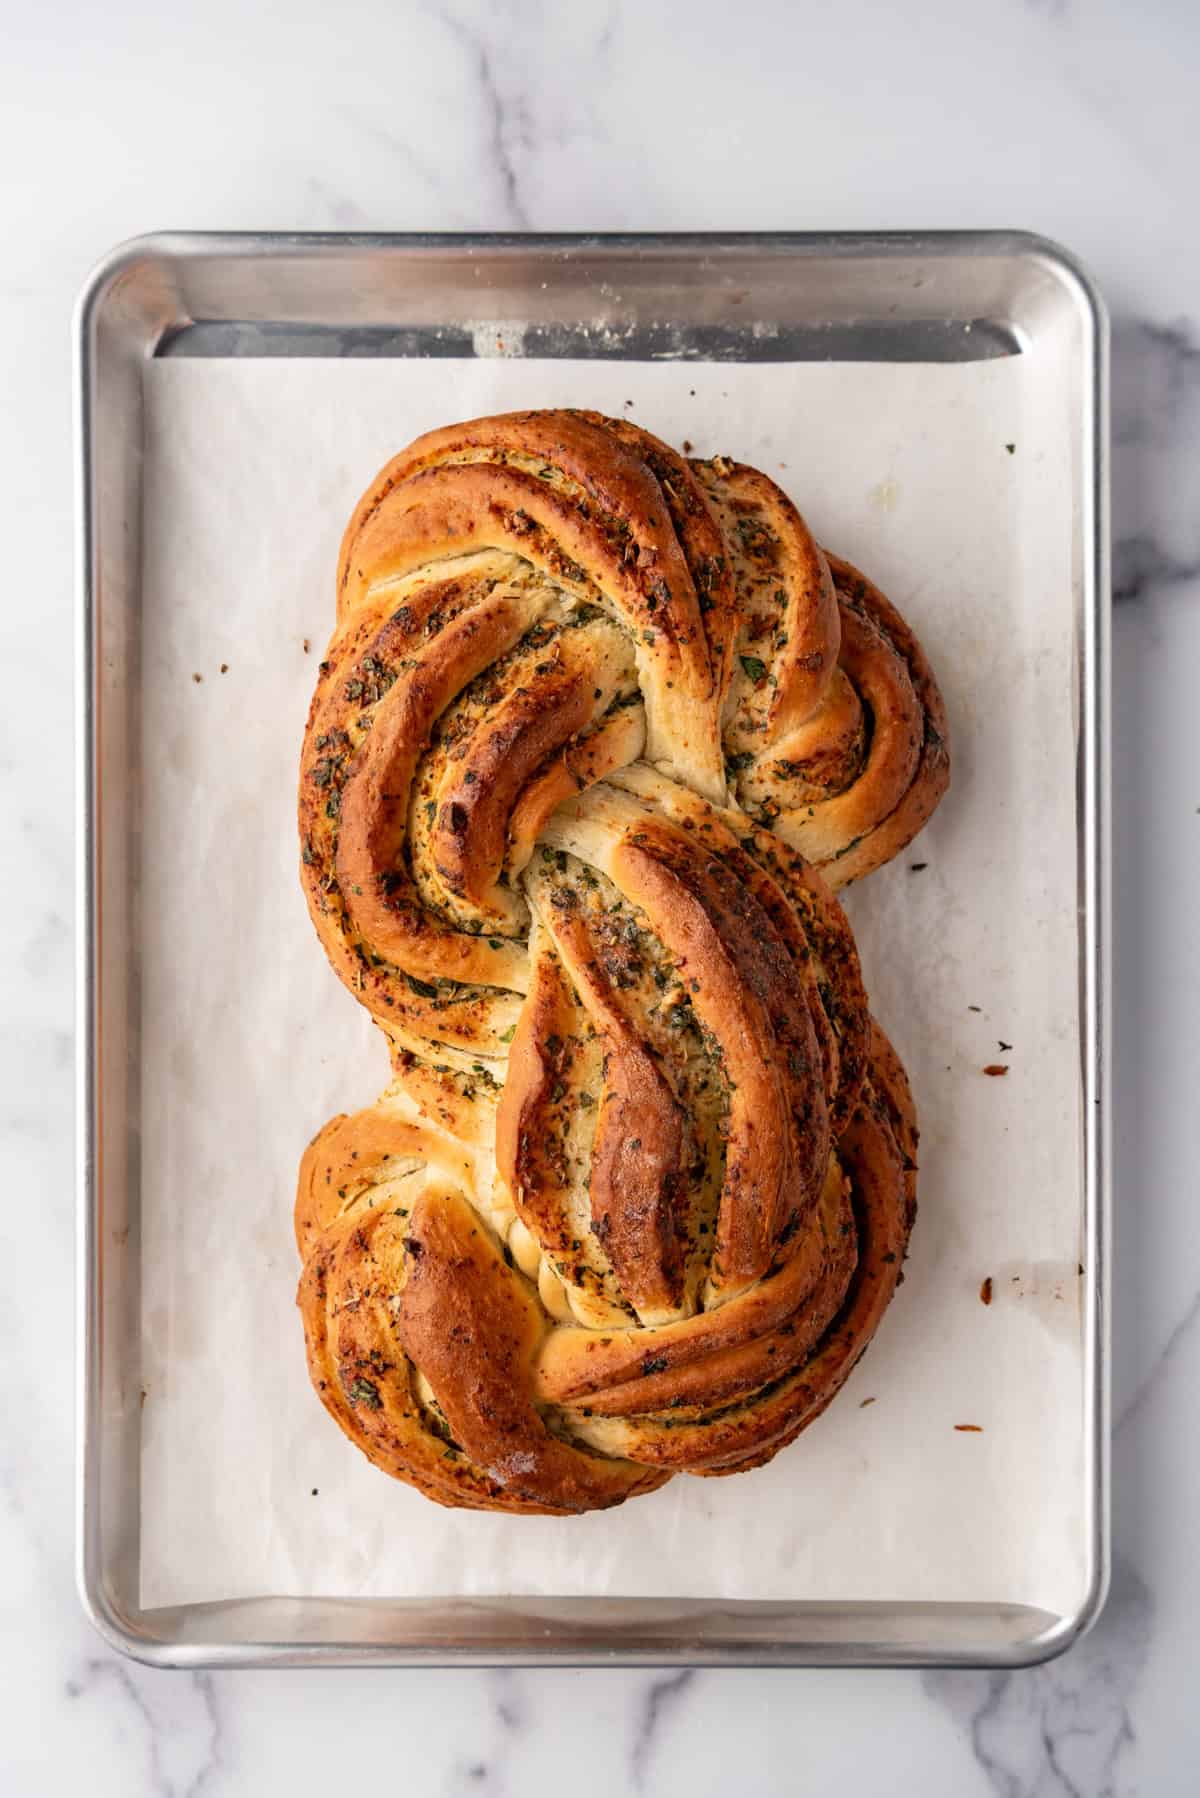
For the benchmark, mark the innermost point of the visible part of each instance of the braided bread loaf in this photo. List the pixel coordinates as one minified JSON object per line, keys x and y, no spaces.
{"x":641,"y":1187}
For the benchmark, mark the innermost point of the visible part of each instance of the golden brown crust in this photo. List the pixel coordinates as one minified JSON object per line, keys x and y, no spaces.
{"x":421,"y":1336}
{"x":932,"y":776}
{"x":573,"y":564}
{"x":637,"y":1196}
{"x":834,"y":728}
{"x":747,"y":995}
{"x":397,"y":1296}
{"x":852,"y":784}
{"x":784,"y":602}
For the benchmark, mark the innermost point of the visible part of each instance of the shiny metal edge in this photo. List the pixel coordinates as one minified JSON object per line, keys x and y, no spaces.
{"x":87,"y":1272}
{"x":157,"y":1639}
{"x":1095,"y":891}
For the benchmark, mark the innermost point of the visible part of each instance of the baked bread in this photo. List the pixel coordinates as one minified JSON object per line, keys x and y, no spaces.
{"x":641,"y":1187}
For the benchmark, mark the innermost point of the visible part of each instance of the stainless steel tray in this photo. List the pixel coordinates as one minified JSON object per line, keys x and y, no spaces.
{"x":911,"y":297}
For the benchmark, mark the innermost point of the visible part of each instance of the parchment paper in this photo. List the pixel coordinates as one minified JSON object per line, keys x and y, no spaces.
{"x":950,"y":485}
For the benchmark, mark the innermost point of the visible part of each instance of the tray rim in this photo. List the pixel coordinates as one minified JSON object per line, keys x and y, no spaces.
{"x":125,"y":1632}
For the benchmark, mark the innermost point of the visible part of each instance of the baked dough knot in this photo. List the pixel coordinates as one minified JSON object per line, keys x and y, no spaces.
{"x":598,"y":730}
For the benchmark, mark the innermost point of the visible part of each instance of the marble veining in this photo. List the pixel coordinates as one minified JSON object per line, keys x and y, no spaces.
{"x":174,"y":1722}
{"x":1077,"y":121}
{"x":1156,"y":484}
{"x":659,"y":1697}
{"x":1141,"y":562}
{"x":1180,"y":1341}
{"x":1063,"y":1730}
{"x":507,"y":118}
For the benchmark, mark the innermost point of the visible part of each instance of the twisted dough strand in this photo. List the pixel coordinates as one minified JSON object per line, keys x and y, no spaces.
{"x":641,"y":1187}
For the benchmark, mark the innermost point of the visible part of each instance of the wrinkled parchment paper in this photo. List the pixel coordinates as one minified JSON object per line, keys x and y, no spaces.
{"x":950,"y":485}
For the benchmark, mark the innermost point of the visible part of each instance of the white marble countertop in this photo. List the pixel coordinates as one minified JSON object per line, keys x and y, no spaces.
{"x":1076,"y":118}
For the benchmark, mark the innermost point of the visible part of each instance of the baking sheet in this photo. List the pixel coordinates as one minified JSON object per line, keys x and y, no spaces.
{"x":249,"y":1043}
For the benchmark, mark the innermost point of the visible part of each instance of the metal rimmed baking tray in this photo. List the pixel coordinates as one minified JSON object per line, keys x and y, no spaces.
{"x":906,"y":298}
